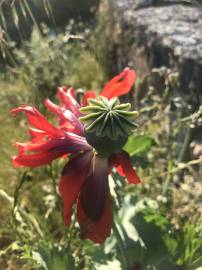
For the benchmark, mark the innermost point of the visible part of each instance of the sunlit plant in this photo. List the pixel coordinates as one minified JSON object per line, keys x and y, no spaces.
{"x":91,"y":134}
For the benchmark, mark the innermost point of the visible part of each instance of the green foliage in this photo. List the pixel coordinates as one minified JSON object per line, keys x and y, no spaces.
{"x":44,"y":63}
{"x":147,"y":246}
{"x":138,"y":145}
{"x":190,"y":244}
{"x":52,"y":257}
{"x":52,"y":61}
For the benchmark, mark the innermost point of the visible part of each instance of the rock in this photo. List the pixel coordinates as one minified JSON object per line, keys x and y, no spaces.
{"x":147,"y":3}
{"x":152,"y":37}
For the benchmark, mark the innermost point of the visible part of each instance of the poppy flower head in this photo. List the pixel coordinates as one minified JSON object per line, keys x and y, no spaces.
{"x":91,"y":133}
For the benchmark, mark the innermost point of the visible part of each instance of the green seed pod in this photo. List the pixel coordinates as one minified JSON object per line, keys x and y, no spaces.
{"x":107,"y":124}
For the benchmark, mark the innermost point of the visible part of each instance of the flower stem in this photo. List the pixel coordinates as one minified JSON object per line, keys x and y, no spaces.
{"x":54,"y":186}
{"x":183,"y":152}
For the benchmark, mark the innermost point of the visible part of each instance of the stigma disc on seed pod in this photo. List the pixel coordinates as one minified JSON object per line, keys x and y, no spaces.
{"x":107,"y":124}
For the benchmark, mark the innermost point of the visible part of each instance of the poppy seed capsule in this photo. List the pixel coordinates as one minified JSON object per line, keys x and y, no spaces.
{"x":107,"y":124}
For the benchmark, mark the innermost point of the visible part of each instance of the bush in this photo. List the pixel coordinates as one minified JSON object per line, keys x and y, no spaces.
{"x":46,"y":63}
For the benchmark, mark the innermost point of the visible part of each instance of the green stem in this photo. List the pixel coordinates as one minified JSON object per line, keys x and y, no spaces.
{"x":185,"y":145}
{"x":121,"y":246}
{"x":17,"y":209}
{"x":194,"y":116}
{"x":166,"y":185}
{"x":57,"y":198}
{"x":181,"y":166}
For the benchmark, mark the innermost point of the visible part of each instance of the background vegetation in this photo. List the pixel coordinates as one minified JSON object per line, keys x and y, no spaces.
{"x":44,"y":44}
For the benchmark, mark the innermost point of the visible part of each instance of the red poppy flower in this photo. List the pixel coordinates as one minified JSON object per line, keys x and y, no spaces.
{"x":84,"y":178}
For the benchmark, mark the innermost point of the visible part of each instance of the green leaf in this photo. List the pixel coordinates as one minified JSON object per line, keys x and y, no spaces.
{"x":143,"y":237}
{"x":115,"y":264}
{"x":138,"y":145}
{"x":52,"y":257}
{"x":196,"y":265}
{"x":140,"y":161}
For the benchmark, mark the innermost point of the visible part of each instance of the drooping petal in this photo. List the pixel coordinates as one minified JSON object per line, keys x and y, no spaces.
{"x":47,"y":150}
{"x":68,"y":101}
{"x":72,"y":179}
{"x":57,"y":110}
{"x":93,"y":194}
{"x":77,"y":138}
{"x":99,"y":230}
{"x":70,"y":146}
{"x":36,"y":134}
{"x":37,"y":120}
{"x":38,"y":159}
{"x":124,"y":167}
{"x":68,"y":121}
{"x":74,"y":121}
{"x":119,"y":85}
{"x":86,"y":96}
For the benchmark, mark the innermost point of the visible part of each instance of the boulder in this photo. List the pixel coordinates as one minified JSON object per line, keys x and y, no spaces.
{"x":161,"y":36}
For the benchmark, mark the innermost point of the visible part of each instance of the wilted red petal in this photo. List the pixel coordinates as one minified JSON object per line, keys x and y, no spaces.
{"x":94,"y":191}
{"x":86,"y":96}
{"x":67,"y":144}
{"x":38,"y":159}
{"x":119,"y":85}
{"x":68,"y":121}
{"x":37,"y":120}
{"x":53,"y":107}
{"x":68,"y":101}
{"x":36,"y":134}
{"x":71,"y":182}
{"x":124,"y":167}
{"x":99,"y":230}
{"x":48,"y":150}
{"x":74,"y":121}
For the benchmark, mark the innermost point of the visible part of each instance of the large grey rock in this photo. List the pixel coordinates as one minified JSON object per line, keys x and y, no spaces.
{"x":151,"y":37}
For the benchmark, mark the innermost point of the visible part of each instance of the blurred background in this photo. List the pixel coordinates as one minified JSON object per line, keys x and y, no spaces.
{"x":83,"y":43}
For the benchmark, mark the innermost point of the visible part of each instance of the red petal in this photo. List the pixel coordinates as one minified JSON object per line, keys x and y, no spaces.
{"x":36,"y":134}
{"x":71,"y":182}
{"x":124,"y":167}
{"x":94,"y":191}
{"x":68,"y":121}
{"x":37,"y":120}
{"x":65,"y":144}
{"x":86,"y":96}
{"x":49,"y":150}
{"x":119,"y":85}
{"x":99,"y":230}
{"x":38,"y":159}
{"x":68,"y":101}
